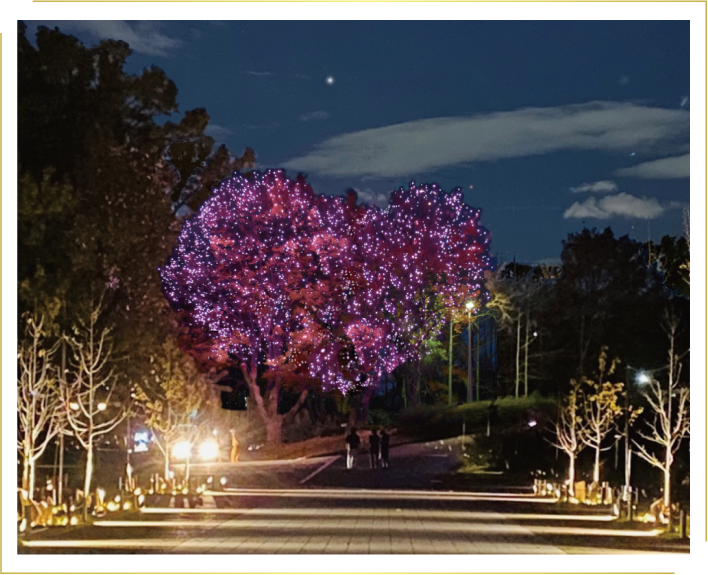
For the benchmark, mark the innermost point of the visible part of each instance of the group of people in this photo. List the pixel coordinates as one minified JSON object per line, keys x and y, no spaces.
{"x":378,"y":448}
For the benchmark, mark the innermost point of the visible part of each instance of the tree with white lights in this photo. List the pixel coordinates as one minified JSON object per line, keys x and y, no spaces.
{"x":567,"y":431}
{"x":87,"y":390}
{"x":670,"y":405}
{"x":37,"y":400}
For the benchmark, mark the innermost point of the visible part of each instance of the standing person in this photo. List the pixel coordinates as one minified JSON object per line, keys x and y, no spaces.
{"x":235,"y":447}
{"x":384,"y":439}
{"x":353,"y":441}
{"x":374,"y":449}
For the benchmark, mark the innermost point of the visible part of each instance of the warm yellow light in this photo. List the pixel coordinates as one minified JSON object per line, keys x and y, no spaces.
{"x":469,"y":305}
{"x":101,"y":406}
{"x":181,"y":450}
{"x":73,"y":405}
{"x":209,"y":450}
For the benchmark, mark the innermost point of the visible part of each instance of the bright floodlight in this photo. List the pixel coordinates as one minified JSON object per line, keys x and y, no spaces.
{"x":181,"y":450}
{"x":209,"y":450}
{"x":469,"y":305}
{"x":101,"y":406}
{"x":643,"y":378}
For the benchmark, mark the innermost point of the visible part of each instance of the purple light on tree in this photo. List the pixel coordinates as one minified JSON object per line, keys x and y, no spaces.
{"x":310,"y":290}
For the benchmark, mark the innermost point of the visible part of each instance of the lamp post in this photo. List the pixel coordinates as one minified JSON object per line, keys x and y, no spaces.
{"x":469,"y":305}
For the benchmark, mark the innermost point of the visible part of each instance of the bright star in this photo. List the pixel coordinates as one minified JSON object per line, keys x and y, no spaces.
{"x":330,"y":80}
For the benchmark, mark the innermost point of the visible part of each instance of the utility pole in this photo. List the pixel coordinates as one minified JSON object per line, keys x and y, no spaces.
{"x":449,"y":369}
{"x":469,"y":356}
{"x":477,"y":364}
{"x":526,"y":358}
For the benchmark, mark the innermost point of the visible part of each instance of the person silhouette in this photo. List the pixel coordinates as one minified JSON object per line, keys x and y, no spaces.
{"x":383,"y":442}
{"x":374,"y":449}
{"x":353,"y":441}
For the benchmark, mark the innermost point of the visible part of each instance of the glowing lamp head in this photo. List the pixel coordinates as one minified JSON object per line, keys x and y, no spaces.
{"x":74,"y":406}
{"x":209,"y":450}
{"x":469,"y":305}
{"x":101,"y":406}
{"x":181,"y":450}
{"x":643,"y":378}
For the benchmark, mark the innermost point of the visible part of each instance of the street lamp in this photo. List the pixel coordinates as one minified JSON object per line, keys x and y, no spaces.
{"x":469,"y":305}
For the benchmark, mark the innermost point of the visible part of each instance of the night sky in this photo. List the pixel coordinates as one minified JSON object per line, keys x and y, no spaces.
{"x":548,"y":127}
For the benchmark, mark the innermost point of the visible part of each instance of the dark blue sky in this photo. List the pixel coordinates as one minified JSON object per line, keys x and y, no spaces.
{"x":521,"y":111}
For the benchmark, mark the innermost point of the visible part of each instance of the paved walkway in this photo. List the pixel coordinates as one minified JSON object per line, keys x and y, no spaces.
{"x":319,"y":507}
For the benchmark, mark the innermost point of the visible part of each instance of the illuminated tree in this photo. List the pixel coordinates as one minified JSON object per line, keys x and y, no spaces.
{"x":567,"y":431}
{"x":176,"y":395}
{"x":670,"y":406}
{"x":37,"y":400}
{"x":300,"y":291}
{"x":87,"y":392}
{"x":233,"y":275}
{"x":434,"y":253}
{"x":599,"y":408}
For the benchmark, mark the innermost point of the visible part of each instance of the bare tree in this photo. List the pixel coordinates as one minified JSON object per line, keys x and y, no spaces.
{"x":600,"y":409}
{"x":37,"y":400}
{"x":88,"y":389}
{"x":567,"y":431}
{"x":671,"y":421}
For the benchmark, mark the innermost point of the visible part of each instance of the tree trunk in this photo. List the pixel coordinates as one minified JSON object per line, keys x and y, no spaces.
{"x":596,"y":468}
{"x":667,"y":487}
{"x":274,"y":430}
{"x":25,"y":474}
{"x":364,"y":409}
{"x":167,"y":461}
{"x":32,"y":475}
{"x":87,"y":478}
{"x":571,"y":474}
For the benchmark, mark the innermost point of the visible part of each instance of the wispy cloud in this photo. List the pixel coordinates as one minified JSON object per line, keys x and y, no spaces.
{"x":663,"y":169}
{"x":427,"y":145}
{"x":369,"y":196}
{"x":216,"y":131}
{"x":525,"y":208}
{"x":624,"y":205}
{"x":314,"y":116}
{"x":256,"y":73}
{"x":603,"y":186}
{"x":269,"y":126}
{"x":143,"y":37}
